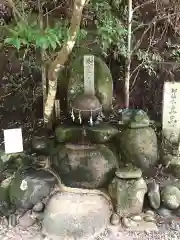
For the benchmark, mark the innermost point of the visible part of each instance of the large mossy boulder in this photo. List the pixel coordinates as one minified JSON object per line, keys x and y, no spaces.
{"x":76,"y":216}
{"x":29,"y":187}
{"x":85,"y":166}
{"x":102,"y":81}
{"x":139,"y":146}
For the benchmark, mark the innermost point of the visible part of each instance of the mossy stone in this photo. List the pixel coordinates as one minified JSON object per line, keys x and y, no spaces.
{"x":65,"y":134}
{"x":139,"y":146}
{"x":101,"y":133}
{"x":102,"y":81}
{"x":85,"y":166}
{"x":29,"y":187}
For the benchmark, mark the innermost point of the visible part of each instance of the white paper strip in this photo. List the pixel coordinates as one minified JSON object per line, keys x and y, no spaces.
{"x":13,"y":140}
{"x":89,"y":74}
{"x":171,"y":111}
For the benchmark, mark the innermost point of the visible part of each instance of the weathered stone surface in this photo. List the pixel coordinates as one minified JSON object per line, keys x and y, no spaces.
{"x":65,"y":134}
{"x":173,"y":165}
{"x":5,"y":206}
{"x":38,"y":207}
{"x":128,"y":195}
{"x":139,"y":146}
{"x":115,"y":219}
{"x":75,"y":215}
{"x":101,"y":133}
{"x":139,"y":226}
{"x":85,"y":166}
{"x":102,"y":81}
{"x":170,"y":197}
{"x":86,"y":106}
{"x":135,"y":118}
{"x":26,"y":220}
{"x":164,"y":212}
{"x":154,"y":195}
{"x":129,"y":172}
{"x":40,"y":144}
{"x":149,"y":219}
{"x":11,"y":162}
{"x":29,"y":187}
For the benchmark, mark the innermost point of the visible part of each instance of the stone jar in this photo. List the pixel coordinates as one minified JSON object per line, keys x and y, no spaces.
{"x":138,"y":142}
{"x":84,"y":166}
{"x":128,"y":195}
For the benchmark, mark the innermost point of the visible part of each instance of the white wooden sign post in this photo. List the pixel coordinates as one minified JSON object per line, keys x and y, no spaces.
{"x":171,"y":112}
{"x":13,"y":140}
{"x":89,"y":74}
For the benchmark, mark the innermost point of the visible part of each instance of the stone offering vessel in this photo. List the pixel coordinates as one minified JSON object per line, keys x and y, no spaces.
{"x":89,"y":95}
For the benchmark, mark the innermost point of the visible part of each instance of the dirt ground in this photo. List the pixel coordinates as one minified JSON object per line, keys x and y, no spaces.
{"x":166,"y":232}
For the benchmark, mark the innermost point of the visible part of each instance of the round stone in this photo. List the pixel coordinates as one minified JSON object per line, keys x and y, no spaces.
{"x":136,"y":218}
{"x":149,"y":219}
{"x":149,"y":213}
{"x":164,"y":212}
{"x":171,"y":197}
{"x":26,"y":220}
{"x":115,"y":219}
{"x":87,"y":106}
{"x":80,"y":215}
{"x":127,"y":222}
{"x":154,"y":195}
{"x":38,"y":207}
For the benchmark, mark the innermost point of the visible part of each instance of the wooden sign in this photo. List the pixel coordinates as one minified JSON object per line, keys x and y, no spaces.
{"x":89,"y":74}
{"x":13,"y":140}
{"x":171,"y":111}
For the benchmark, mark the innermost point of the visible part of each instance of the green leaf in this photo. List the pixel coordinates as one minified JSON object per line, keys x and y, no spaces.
{"x":42,"y":42}
{"x":16,"y":42}
{"x":52,"y":43}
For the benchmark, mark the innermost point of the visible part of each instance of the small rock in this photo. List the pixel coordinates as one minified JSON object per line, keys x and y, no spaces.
{"x":38,"y":207}
{"x":39,"y":144}
{"x":115,"y":219}
{"x":129,"y":172}
{"x":149,"y":213}
{"x":26,"y":220}
{"x":127,"y":222}
{"x":176,"y":212}
{"x":171,"y":197}
{"x":12,"y":220}
{"x":149,"y":219}
{"x":4,"y":221}
{"x":154,"y":195}
{"x":136,"y":218}
{"x":164,"y":212}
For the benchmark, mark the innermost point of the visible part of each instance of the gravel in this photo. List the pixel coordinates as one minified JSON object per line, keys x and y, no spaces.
{"x":166,"y":232}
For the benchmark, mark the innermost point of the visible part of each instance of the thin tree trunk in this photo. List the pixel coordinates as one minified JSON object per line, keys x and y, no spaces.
{"x":43,"y":67}
{"x":58,"y":64}
{"x":128,"y":59}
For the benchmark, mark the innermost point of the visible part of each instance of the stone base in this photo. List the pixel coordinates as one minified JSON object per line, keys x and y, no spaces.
{"x":82,"y":216}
